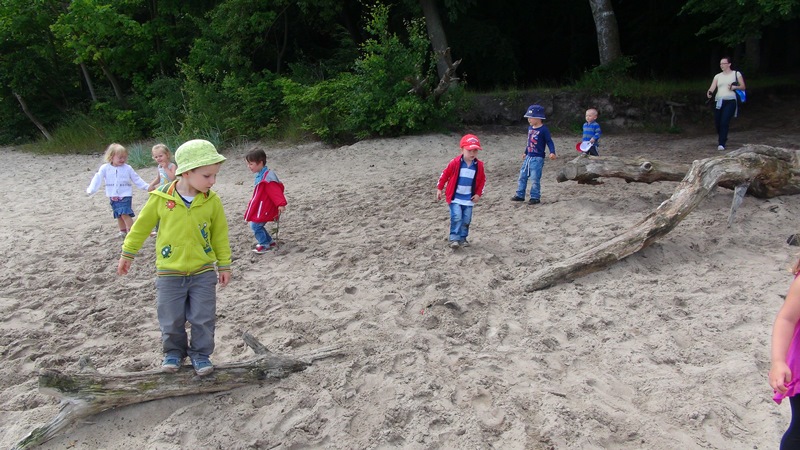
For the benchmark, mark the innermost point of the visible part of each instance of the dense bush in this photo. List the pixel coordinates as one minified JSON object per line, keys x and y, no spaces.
{"x":374,"y":99}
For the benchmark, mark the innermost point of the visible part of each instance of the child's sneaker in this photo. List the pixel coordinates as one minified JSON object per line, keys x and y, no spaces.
{"x":264,"y":249}
{"x":517,"y":199}
{"x":465,"y":243}
{"x":453,"y":244}
{"x":202,"y":366}
{"x":534,"y":201}
{"x":171,"y":364}
{"x":122,"y":234}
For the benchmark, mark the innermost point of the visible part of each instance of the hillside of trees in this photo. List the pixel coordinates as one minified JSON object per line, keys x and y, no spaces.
{"x":341,"y":71}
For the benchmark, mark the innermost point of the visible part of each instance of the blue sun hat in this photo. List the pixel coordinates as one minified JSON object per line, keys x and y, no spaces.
{"x":196,"y":153}
{"x":535,"y":112}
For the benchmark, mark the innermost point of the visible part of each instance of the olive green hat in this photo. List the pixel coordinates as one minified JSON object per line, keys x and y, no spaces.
{"x":196,"y":153}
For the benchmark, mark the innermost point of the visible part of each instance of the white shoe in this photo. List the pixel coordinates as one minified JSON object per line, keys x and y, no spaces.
{"x":720,"y":148}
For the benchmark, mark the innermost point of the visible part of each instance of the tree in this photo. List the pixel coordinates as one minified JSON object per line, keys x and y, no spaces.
{"x":742,"y":21}
{"x":605,"y":23}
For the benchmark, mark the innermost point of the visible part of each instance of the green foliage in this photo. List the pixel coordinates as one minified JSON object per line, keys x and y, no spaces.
{"x":734,"y":21}
{"x":374,"y":100}
{"x":140,"y":155}
{"x":609,"y":79}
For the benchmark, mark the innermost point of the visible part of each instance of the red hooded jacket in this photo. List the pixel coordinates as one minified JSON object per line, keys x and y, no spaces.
{"x":449,"y":177}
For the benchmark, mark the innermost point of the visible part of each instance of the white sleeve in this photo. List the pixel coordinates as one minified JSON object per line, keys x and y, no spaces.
{"x":138,"y":181}
{"x":97,"y":179}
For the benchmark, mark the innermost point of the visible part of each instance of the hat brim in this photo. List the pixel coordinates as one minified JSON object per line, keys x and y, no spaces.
{"x":472,"y":147}
{"x":199,"y":163}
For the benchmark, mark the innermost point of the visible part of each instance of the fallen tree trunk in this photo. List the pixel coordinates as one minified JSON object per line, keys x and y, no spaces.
{"x":769,"y":171}
{"x":88,"y":392}
{"x":587,"y":169}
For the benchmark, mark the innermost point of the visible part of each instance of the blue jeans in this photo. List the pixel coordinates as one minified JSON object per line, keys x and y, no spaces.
{"x":192,"y":299}
{"x":262,"y":236}
{"x":722,"y":119}
{"x":531,"y":169}
{"x":460,"y":217}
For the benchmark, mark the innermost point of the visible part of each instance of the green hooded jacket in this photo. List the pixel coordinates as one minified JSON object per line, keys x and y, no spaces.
{"x":190,"y":240}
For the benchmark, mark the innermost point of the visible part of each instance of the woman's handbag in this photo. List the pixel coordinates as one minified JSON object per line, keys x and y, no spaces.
{"x":741,"y":94}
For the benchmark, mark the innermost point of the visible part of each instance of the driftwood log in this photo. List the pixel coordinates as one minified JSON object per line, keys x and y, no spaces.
{"x":759,"y":170}
{"x":88,"y":392}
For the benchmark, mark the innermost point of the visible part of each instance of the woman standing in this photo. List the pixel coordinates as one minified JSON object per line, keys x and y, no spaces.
{"x":726,"y":108}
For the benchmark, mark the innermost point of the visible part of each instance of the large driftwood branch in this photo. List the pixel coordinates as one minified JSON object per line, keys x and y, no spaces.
{"x":587,"y":169}
{"x":89,"y":392}
{"x":769,"y":171}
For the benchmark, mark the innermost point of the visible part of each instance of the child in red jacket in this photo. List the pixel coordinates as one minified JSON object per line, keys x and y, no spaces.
{"x":268,"y":201}
{"x":464,"y":178}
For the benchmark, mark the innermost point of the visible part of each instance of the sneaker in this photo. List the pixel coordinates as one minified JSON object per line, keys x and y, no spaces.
{"x":453,"y":244}
{"x":517,"y":199}
{"x":202,"y":366}
{"x":534,"y":201}
{"x":721,"y":147}
{"x":171,"y":364}
{"x":465,"y":243}
{"x":264,"y":249}
{"x":122,"y":234}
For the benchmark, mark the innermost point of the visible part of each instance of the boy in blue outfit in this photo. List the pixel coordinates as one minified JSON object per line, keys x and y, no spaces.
{"x":268,"y":201}
{"x":591,"y":131}
{"x":464,"y":178}
{"x":533,"y":158}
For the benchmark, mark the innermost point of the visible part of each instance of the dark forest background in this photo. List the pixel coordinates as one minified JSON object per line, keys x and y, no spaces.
{"x":98,"y":71}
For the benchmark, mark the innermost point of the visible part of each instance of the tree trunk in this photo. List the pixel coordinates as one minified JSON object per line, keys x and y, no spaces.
{"x":437,"y":36}
{"x":587,"y":169}
{"x":33,"y":118}
{"x":88,"y":392}
{"x":769,"y":172}
{"x":605,"y":23}
{"x":89,"y":84}
{"x":114,"y":84}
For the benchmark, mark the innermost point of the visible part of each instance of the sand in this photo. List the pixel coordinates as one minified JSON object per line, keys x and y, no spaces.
{"x":443,"y":349}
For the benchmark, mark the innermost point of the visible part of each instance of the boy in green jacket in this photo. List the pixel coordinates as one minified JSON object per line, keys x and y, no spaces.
{"x":192,"y":254}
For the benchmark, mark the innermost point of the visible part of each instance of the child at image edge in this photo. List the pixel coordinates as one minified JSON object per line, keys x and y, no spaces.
{"x":119,"y":179}
{"x":591,"y":131}
{"x":166,"y":171}
{"x":784,"y":373}
{"x":533,"y":158}
{"x":192,"y":255}
{"x":464,"y":178}
{"x":267,"y":202}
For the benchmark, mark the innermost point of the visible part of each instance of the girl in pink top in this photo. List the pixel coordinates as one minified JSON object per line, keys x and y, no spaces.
{"x":784,"y":373}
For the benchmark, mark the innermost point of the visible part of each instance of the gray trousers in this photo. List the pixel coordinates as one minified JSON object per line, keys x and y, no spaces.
{"x":190,"y":299}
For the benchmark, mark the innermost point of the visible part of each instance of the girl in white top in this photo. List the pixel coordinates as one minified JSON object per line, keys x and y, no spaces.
{"x":726,"y":105}
{"x":119,"y":179}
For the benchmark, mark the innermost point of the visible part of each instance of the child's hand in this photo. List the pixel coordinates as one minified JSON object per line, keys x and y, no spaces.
{"x":438,"y":194}
{"x":281,"y":209}
{"x":224,"y":278}
{"x":779,"y":375}
{"x":552,"y":156}
{"x":123,"y":266}
{"x":475,"y":198}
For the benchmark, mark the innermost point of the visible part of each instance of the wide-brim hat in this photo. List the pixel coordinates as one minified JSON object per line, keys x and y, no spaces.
{"x":196,"y":153}
{"x":535,"y":112}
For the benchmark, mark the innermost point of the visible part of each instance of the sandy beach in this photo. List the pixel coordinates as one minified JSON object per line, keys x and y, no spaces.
{"x":444,"y":349}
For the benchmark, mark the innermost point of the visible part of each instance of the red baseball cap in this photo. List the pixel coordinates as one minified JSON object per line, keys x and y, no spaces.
{"x":471,"y":142}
